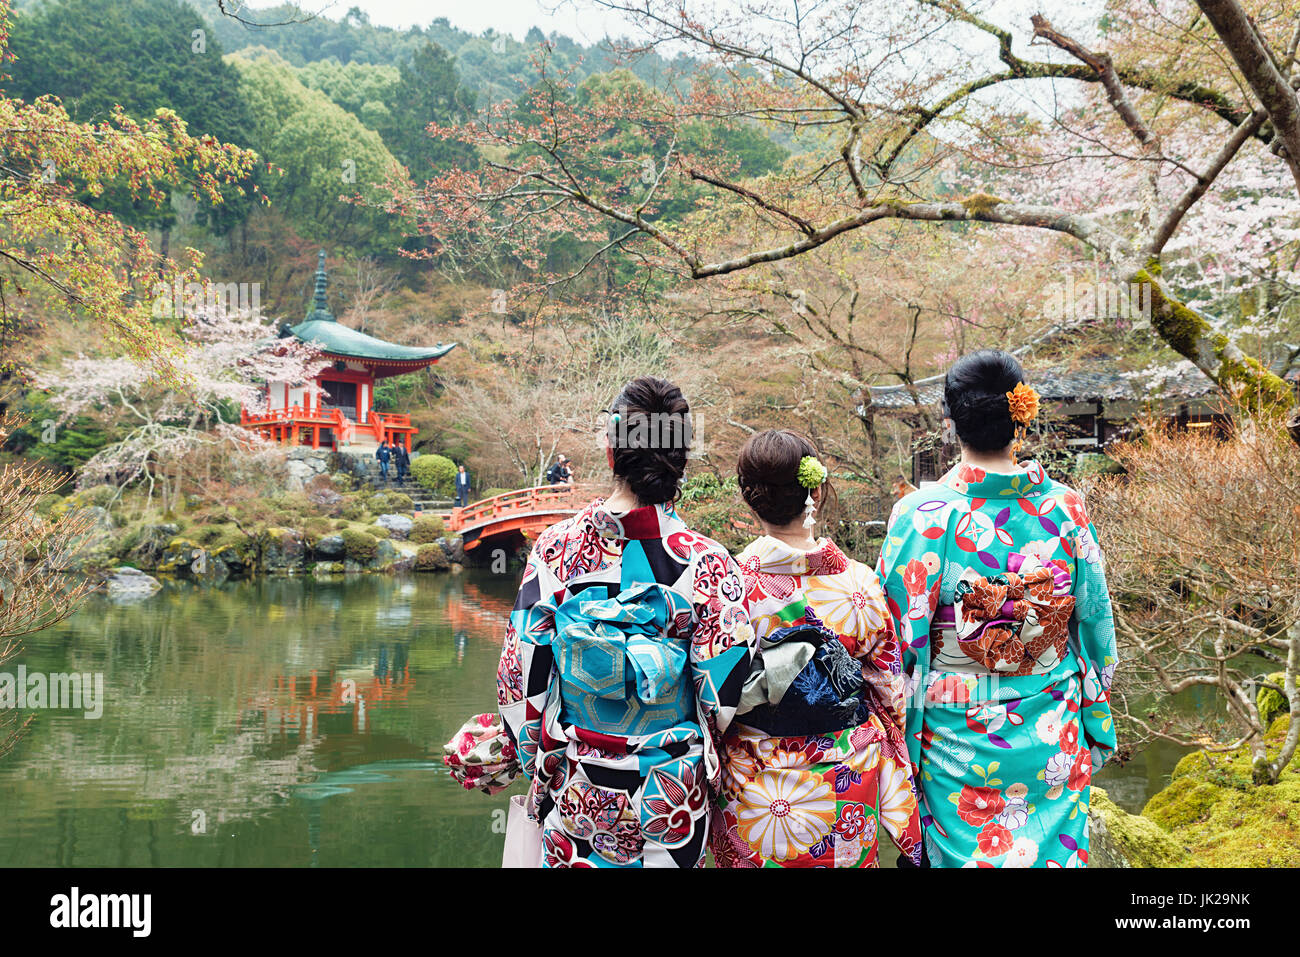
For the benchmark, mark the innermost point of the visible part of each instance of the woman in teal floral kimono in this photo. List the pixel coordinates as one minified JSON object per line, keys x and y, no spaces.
{"x":996,"y":581}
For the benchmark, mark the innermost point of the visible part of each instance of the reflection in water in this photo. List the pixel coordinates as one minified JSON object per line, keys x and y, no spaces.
{"x":284,"y":722}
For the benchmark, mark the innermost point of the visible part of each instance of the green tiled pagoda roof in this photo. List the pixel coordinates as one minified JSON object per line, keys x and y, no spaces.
{"x":329,"y":336}
{"x":321,"y":329}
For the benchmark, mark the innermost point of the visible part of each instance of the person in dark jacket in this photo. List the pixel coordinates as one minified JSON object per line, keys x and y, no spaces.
{"x":403,"y":460}
{"x":384,"y":453}
{"x":559,"y":473}
{"x":462,"y":487}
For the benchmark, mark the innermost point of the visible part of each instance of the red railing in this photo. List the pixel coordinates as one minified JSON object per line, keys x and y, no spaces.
{"x":281,"y":424}
{"x":542,"y":498}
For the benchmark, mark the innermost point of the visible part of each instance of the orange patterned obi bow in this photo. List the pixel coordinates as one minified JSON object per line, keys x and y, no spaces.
{"x":1015,"y":622}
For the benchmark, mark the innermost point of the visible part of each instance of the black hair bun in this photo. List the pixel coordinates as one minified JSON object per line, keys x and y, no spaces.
{"x":975,"y":398}
{"x":651,"y":438}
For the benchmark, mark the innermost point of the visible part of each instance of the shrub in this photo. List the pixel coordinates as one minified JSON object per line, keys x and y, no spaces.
{"x":1200,"y":532}
{"x":354,"y":508}
{"x":431,"y":558}
{"x":494,"y":492}
{"x":436,"y":473}
{"x":378,"y":531}
{"x":360,"y":546}
{"x":390,"y":501}
{"x":292,"y":505}
{"x":427,"y":528}
{"x":316,"y":528}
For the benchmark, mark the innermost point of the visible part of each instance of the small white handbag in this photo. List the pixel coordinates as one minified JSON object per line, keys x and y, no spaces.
{"x":523,"y":837}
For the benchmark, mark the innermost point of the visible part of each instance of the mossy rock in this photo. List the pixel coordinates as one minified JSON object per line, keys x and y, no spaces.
{"x":431,"y":558}
{"x":1214,"y":809}
{"x":359,"y":546}
{"x":178,"y":556}
{"x":426,"y":529}
{"x":1120,"y":839}
{"x":1272,"y":703}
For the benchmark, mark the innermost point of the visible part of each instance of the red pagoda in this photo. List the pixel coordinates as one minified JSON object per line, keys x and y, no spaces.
{"x":336,"y":408}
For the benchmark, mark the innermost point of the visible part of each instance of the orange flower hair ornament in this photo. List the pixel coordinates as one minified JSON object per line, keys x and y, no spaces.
{"x":1023,"y":403}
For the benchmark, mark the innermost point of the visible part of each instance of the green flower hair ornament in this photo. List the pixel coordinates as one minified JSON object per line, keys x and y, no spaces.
{"x":811,"y":472}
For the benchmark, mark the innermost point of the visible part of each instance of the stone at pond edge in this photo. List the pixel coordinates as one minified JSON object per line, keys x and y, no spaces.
{"x":331,"y":546}
{"x":1119,"y":839}
{"x":129,"y":584}
{"x":385,"y":554}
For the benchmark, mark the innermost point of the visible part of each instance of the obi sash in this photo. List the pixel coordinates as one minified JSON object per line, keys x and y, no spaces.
{"x":620,"y":671}
{"x":1013,"y":623}
{"x":806,"y":682}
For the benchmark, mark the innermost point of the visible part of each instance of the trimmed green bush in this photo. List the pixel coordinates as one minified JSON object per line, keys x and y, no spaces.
{"x":354,"y":508}
{"x":431,"y":558}
{"x":436,"y":473}
{"x":390,"y":501}
{"x":378,"y":531}
{"x":360,"y":546}
{"x":427,"y":528}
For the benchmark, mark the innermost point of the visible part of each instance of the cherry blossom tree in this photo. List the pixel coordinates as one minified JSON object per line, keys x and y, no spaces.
{"x":223,"y":361}
{"x":889,"y":109}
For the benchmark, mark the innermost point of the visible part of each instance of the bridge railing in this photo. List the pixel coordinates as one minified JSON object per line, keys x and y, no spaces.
{"x":541,"y":498}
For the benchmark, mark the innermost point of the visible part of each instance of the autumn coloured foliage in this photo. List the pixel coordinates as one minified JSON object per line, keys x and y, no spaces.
{"x":57,"y":248}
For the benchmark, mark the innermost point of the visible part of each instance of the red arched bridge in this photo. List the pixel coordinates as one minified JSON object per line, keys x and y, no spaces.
{"x":511,"y":518}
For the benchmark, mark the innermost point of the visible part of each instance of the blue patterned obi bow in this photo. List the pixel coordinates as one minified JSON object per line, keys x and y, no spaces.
{"x":604,"y":646}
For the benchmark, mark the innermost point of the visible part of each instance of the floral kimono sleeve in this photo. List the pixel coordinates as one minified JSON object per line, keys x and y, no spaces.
{"x":723,"y":649}
{"x":1092,"y":627}
{"x":526,"y":672}
{"x":909,"y":570}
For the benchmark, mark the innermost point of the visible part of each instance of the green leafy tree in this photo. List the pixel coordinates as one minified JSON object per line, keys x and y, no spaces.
{"x":141,"y":55}
{"x":324,"y":155}
{"x":428,"y":91}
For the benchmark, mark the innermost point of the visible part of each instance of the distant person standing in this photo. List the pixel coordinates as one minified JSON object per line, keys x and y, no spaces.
{"x":384,"y":453}
{"x":403,"y":460}
{"x":462,"y":487}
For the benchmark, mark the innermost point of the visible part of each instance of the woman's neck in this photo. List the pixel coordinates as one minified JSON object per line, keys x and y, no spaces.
{"x":621,"y":499}
{"x":1000,"y":461}
{"x":794,"y":535}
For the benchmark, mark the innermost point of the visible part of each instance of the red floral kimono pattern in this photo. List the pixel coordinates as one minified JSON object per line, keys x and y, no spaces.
{"x":625,"y":657}
{"x":819,"y":800}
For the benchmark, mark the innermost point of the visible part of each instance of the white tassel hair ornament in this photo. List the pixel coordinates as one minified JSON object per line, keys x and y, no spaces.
{"x":811,"y":475}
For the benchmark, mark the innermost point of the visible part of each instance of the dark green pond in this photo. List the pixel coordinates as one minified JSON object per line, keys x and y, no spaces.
{"x":284,"y":722}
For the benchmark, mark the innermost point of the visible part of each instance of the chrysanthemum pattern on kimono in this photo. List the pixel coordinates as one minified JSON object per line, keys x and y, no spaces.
{"x":624,"y":659}
{"x":997,"y":584}
{"x":819,"y":799}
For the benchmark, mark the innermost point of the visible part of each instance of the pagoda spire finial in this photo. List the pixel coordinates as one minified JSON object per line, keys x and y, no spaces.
{"x":320,"y":305}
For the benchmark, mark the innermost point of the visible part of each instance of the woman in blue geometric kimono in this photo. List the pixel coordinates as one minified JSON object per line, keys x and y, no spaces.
{"x":995,"y":579}
{"x":624,"y":660}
